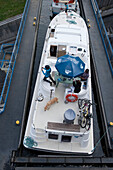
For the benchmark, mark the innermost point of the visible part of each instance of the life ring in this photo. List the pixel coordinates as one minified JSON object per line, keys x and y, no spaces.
{"x":71,"y":100}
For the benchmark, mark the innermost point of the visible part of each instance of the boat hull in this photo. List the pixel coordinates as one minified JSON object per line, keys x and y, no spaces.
{"x":46,"y":128}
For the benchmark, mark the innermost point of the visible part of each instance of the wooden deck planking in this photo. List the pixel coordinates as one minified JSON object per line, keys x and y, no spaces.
{"x":63,"y":127}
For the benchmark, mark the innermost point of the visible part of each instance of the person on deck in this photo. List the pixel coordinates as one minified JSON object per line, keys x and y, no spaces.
{"x":77,"y":86}
{"x":46,"y":71}
{"x":85,"y":75}
{"x":66,"y":8}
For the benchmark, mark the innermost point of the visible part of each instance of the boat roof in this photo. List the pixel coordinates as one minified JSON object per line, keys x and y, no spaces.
{"x":68,"y":29}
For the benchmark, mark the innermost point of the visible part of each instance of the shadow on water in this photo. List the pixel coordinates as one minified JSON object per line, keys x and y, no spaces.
{"x":44,"y":22}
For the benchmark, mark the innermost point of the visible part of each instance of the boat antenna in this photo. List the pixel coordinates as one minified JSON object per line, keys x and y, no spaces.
{"x":109,"y":125}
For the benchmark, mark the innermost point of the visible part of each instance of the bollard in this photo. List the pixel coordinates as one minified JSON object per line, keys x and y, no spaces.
{"x":34,"y":18}
{"x":89,"y":25}
{"x":34,"y":23}
{"x":17,"y":122}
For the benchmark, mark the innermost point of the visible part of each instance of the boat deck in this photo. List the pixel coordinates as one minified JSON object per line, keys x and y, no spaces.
{"x":56,"y":110}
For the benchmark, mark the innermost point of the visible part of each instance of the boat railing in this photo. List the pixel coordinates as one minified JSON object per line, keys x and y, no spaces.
{"x":104,"y":34}
{"x":10,"y":69}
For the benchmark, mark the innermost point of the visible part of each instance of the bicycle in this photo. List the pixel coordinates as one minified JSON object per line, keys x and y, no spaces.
{"x":85,"y":116}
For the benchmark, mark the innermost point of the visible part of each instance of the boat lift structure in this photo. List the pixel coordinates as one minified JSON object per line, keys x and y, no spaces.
{"x":19,"y":92}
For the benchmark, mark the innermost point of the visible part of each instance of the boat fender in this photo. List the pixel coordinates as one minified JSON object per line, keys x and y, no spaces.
{"x":71,"y":97}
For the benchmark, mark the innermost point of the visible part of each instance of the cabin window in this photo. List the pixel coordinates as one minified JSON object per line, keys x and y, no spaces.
{"x":66,"y":138}
{"x":79,"y":49}
{"x":53,"y":50}
{"x":53,"y":136}
{"x":52,"y":30}
{"x":52,"y":33}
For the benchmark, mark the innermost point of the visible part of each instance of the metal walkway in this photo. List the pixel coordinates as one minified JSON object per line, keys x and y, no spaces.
{"x":9,"y":131}
{"x":104,"y":79}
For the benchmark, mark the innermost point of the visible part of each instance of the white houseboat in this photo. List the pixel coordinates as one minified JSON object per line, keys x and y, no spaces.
{"x":58,"y":119}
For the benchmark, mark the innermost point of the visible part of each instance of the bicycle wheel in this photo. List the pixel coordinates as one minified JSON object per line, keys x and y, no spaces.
{"x":79,"y":120}
{"x":79,"y":103}
{"x":83,"y":103}
{"x":83,"y":122}
{"x":88,"y":124}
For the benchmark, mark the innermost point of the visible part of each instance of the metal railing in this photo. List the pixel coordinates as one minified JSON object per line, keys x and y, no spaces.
{"x":5,"y":53}
{"x":104,"y":35}
{"x":10,"y":69}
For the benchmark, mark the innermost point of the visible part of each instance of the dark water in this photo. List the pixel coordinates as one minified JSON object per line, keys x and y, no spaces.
{"x":44,"y":22}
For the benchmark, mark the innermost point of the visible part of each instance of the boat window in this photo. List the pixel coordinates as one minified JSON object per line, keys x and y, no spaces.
{"x":66,"y":138}
{"x":53,"y":50}
{"x":52,"y":30}
{"x":79,"y":49}
{"x":53,"y":136}
{"x":61,"y":50}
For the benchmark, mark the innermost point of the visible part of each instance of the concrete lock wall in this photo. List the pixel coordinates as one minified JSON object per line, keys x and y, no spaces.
{"x":9,"y":28}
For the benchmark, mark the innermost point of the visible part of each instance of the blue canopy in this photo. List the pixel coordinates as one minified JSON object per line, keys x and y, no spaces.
{"x":69,"y":66}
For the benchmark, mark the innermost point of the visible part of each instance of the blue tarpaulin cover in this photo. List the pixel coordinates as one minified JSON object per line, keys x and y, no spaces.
{"x":69,"y":66}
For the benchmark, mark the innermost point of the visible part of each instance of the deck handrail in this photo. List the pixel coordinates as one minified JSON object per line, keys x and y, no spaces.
{"x":104,"y":35}
{"x":9,"y":74}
